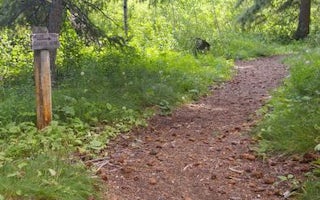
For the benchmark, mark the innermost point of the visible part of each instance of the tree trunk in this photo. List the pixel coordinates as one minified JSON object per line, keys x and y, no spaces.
{"x":54,"y":26}
{"x":125,"y":17}
{"x":304,"y":20}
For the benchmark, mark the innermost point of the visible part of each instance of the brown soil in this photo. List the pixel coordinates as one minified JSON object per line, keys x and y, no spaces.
{"x":203,"y":150}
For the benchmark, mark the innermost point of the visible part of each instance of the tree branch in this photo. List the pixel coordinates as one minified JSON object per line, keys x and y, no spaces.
{"x":101,"y":11}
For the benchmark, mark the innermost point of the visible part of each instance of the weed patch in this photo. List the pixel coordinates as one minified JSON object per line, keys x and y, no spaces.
{"x":45,"y":177}
{"x":292,"y":122}
{"x":108,"y":94}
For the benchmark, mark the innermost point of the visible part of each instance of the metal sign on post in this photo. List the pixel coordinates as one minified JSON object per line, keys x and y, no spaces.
{"x":42,"y":42}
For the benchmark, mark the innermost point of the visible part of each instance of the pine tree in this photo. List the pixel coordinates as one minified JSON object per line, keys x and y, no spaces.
{"x":304,"y":20}
{"x":251,"y":14}
{"x":52,"y":14}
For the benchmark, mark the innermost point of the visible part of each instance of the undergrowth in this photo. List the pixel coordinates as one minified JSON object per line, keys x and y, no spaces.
{"x":105,"y":90}
{"x":292,"y":123}
{"x":46,"y":177}
{"x":243,"y":45}
{"x":107,"y":93}
{"x":100,"y":93}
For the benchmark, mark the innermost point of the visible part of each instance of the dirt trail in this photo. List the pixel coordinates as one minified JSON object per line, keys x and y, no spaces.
{"x":202,"y":151}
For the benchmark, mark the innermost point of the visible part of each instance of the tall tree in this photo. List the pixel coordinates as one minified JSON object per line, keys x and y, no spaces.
{"x":251,"y":14}
{"x":304,"y":20}
{"x":55,"y":21}
{"x":52,"y":13}
{"x":125,"y":17}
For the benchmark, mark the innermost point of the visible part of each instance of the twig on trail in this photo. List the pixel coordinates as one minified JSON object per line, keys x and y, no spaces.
{"x":98,"y":159}
{"x":100,"y":162}
{"x":235,"y":170}
{"x":186,"y":167}
{"x":234,"y":178}
{"x":106,"y":162}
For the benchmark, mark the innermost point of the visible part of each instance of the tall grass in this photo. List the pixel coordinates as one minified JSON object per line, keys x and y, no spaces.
{"x":293,"y":124}
{"x":45,"y":177}
{"x":311,"y":191}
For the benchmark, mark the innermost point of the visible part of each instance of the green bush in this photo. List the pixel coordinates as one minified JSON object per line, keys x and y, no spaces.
{"x":113,"y":84}
{"x":16,"y":54}
{"x":241,"y":45}
{"x":45,"y":177}
{"x":293,"y":125}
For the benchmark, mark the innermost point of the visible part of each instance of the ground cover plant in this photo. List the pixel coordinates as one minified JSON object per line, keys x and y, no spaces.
{"x":45,"y":177}
{"x":291,"y":124}
{"x":103,"y":89}
{"x":106,"y":94}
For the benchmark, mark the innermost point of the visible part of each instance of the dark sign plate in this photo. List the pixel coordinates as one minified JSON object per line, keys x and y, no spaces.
{"x":45,"y":41}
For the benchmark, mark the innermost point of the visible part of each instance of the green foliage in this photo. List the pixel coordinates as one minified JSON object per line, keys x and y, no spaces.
{"x":171,"y":25}
{"x":293,"y":123}
{"x":33,"y":12}
{"x":311,"y":188}
{"x":45,"y":177}
{"x":242,"y":46}
{"x":16,"y":54}
{"x":276,"y":19}
{"x":112,"y":85}
{"x":69,"y":53}
{"x":104,"y":90}
{"x":23,"y":140}
{"x":100,"y":93}
{"x":311,"y":191}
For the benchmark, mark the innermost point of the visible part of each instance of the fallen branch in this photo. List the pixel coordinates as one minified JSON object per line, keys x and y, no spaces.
{"x":235,"y":170}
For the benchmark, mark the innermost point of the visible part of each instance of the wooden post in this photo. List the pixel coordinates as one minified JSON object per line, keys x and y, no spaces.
{"x":42,"y":41}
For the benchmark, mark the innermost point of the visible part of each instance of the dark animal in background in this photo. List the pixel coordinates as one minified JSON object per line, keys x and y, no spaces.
{"x":200,"y":46}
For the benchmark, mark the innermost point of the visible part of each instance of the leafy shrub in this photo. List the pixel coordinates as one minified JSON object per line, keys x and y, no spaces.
{"x":45,"y":177}
{"x":241,"y":45}
{"x":293,"y":125}
{"x":16,"y":54}
{"x":111,"y":84}
{"x":107,"y":93}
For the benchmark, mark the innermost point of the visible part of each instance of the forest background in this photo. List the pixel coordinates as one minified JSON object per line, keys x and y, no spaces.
{"x":121,"y":62}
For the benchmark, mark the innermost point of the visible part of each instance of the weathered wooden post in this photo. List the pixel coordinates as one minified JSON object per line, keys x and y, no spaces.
{"x":42,"y":41}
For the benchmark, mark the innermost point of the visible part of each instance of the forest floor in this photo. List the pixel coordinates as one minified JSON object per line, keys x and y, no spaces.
{"x":203,"y":150}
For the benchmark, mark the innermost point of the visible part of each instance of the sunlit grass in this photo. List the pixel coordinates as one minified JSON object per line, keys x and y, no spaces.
{"x":45,"y":177}
{"x":311,"y":191}
{"x":107,"y":95}
{"x":293,"y":124}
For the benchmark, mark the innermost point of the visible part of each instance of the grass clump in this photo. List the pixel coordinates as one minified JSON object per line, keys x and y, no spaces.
{"x":242,"y":45}
{"x":311,"y":189}
{"x":293,"y":123}
{"x":45,"y":177}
